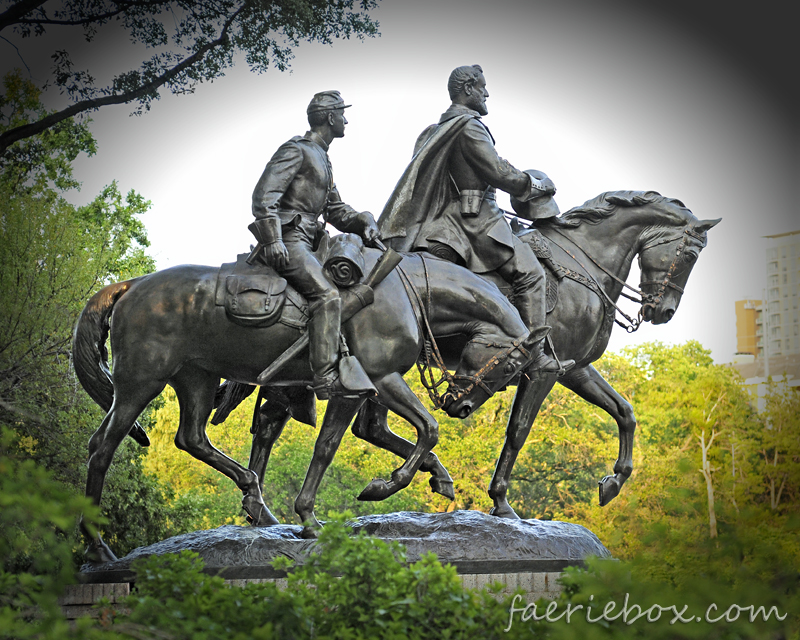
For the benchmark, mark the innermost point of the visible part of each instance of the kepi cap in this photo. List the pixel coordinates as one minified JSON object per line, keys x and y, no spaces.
{"x":538,"y":208}
{"x":326,"y":101}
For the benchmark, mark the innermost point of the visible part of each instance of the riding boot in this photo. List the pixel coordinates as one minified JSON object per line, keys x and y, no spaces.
{"x":324,"y":335}
{"x":323,"y":345}
{"x":531,"y":306}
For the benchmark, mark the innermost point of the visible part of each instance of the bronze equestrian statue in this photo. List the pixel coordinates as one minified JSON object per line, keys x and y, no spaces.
{"x":184,"y":326}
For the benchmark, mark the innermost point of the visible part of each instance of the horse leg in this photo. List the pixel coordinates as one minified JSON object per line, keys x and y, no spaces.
{"x":338,"y":415}
{"x":195,"y":390}
{"x":531,"y":392}
{"x":397,"y":396}
{"x":130,"y":399}
{"x":269,"y":423}
{"x":371,"y":425}
{"x":592,"y":387}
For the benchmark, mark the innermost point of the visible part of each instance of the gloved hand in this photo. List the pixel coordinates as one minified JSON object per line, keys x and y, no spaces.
{"x":370,"y":232}
{"x":276,"y":255}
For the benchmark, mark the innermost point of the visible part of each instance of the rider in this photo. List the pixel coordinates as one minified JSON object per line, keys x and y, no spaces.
{"x":445,"y":204}
{"x":295,"y":189}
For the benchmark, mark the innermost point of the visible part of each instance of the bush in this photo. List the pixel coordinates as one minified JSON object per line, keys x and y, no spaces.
{"x":352,"y":587}
{"x":740,"y":586}
{"x":37,"y":526}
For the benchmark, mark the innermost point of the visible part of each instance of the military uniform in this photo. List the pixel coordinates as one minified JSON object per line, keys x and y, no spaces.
{"x":445,"y":203}
{"x":295,"y":190}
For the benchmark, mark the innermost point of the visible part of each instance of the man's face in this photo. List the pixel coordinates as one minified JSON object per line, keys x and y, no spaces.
{"x":337,"y":122}
{"x":476,"y":95}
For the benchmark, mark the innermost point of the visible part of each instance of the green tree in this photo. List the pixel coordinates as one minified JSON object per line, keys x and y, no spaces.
{"x":53,"y":257}
{"x":36,"y":515}
{"x":188,"y":43}
{"x":779,"y":449}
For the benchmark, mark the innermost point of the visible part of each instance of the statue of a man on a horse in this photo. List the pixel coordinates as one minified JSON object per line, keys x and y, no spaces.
{"x":248,"y":322}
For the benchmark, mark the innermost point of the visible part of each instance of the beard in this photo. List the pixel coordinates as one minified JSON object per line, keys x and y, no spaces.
{"x":478,"y":103}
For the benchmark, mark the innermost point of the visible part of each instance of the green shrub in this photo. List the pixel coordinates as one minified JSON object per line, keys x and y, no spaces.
{"x":37,"y":524}
{"x":352,"y":588}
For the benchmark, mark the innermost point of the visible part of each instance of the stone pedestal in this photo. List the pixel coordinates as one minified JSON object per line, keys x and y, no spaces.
{"x":526,"y":554}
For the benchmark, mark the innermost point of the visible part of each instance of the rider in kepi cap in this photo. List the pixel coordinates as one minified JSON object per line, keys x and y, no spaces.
{"x":295,"y":189}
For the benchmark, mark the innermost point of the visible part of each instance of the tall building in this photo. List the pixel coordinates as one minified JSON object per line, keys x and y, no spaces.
{"x":749,"y":338}
{"x":768,"y":331}
{"x":781,"y":324}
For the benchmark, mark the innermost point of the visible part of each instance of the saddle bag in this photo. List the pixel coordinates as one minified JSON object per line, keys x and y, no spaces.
{"x":254,"y":300}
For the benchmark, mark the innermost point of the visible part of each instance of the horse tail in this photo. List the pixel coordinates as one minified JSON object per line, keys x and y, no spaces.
{"x":89,"y":353}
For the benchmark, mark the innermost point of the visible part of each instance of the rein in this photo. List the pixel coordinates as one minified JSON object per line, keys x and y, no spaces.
{"x":433,"y":357}
{"x":645,"y":299}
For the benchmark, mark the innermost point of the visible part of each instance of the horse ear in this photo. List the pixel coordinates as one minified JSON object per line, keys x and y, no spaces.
{"x":705,"y":225}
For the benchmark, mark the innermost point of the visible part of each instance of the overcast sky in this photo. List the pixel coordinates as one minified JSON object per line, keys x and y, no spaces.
{"x":600,"y":96}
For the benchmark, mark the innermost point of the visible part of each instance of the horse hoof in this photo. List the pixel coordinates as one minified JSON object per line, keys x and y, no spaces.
{"x":257,"y":513}
{"x":98,"y":552}
{"x":609,"y":489}
{"x":443,"y":487}
{"x":309,"y":533}
{"x":378,"y":489}
{"x":504,"y":512}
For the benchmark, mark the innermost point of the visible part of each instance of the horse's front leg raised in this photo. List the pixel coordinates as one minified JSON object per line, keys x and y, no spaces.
{"x":592,"y":387}
{"x":531,"y":392}
{"x":371,"y":424}
{"x":397,"y":396}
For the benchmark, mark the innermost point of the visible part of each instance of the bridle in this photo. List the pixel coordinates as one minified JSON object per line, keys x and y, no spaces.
{"x":431,"y":357}
{"x":651,"y":300}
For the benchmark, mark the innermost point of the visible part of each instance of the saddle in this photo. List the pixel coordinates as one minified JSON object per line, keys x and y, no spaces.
{"x":255,"y":295}
{"x":553,"y":271}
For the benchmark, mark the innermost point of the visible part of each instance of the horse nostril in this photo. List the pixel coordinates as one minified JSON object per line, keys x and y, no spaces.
{"x":465,"y":411}
{"x":669,"y":313}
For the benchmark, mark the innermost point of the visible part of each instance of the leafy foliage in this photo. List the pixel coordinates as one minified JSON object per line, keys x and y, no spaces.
{"x":53,"y":257}
{"x":188,"y":43}
{"x":353,"y":587}
{"x":739,"y":586}
{"x":37,"y":516}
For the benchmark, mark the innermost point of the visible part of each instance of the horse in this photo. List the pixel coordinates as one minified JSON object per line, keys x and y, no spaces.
{"x":166,"y":329}
{"x":594,"y":246}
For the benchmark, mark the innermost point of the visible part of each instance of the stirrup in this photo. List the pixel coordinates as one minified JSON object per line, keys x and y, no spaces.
{"x":331,"y":386}
{"x":546,"y":364}
{"x":563,"y":366}
{"x":327,"y":387}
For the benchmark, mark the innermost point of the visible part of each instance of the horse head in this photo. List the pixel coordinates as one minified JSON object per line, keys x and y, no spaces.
{"x":666,"y":258}
{"x":485,"y":367}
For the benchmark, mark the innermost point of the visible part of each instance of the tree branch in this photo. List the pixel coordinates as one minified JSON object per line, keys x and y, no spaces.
{"x":17,"y":10}
{"x":9,"y":137}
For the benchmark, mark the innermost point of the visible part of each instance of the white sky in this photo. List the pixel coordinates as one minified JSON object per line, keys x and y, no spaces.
{"x":600,"y":96}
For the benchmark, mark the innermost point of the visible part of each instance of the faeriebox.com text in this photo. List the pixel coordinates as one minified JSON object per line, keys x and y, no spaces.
{"x":630,"y":613}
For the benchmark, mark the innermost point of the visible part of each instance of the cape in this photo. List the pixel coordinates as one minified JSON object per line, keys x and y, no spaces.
{"x":423,"y":188}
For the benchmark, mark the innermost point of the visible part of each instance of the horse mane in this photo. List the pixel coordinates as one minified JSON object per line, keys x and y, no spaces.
{"x":606,"y":204}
